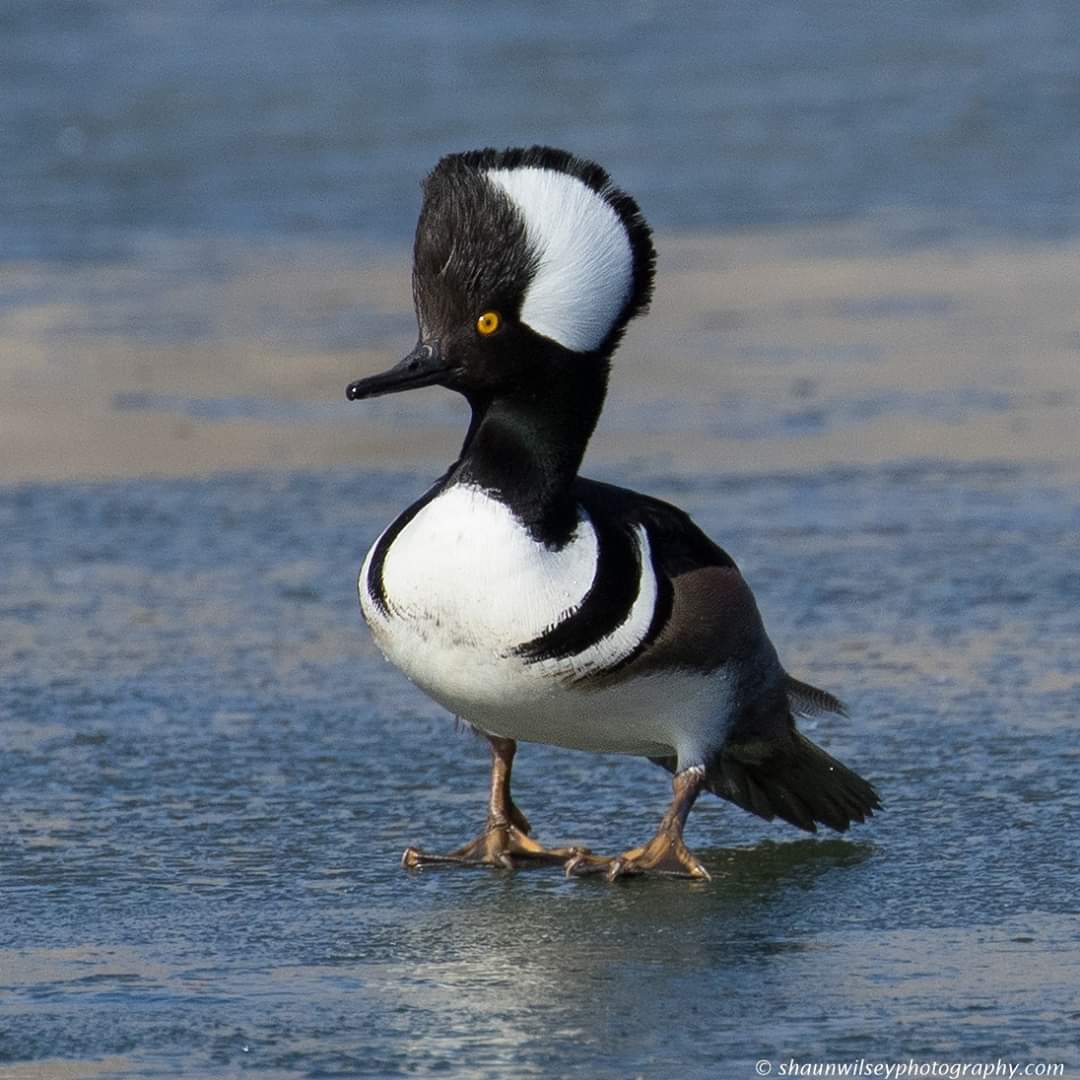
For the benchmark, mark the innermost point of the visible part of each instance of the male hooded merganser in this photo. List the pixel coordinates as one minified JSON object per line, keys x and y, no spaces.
{"x":537,"y":605}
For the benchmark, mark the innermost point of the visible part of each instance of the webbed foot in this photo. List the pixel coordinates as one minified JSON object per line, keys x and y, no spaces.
{"x":665,"y":855}
{"x":662,"y":856}
{"x":502,"y":845}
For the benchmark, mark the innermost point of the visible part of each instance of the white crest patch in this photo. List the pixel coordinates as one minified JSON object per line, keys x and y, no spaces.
{"x":585,"y":262}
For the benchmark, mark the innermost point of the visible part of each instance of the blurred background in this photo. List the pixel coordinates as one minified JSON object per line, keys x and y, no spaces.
{"x":135,"y":122}
{"x":860,"y":374}
{"x":206,"y":208}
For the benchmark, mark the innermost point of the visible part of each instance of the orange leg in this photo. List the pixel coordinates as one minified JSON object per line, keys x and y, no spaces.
{"x":665,"y":855}
{"x":505,"y":840}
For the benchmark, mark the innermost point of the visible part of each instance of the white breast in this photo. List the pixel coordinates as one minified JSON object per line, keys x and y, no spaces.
{"x":464,"y":573}
{"x":465,"y":584}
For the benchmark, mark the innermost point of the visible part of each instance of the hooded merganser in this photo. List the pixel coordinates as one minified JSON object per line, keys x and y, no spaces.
{"x":535,"y":604}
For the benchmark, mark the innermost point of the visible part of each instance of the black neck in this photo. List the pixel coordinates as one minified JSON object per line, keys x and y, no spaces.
{"x":526,"y":447}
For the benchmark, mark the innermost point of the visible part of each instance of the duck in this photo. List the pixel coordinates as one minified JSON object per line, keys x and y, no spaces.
{"x":537,"y":605}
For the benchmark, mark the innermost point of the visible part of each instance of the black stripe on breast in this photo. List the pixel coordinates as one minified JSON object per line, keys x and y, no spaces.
{"x":606,"y":605}
{"x":664,"y":603}
{"x":374,"y":584}
{"x":665,"y":600}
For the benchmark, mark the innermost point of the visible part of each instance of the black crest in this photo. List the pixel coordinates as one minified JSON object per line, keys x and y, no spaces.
{"x":471,"y":246}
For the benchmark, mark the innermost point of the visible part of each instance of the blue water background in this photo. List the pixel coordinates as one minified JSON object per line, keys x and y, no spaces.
{"x":207,"y":773}
{"x":124,"y":118}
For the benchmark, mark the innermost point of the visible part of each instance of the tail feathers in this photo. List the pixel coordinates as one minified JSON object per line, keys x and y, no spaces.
{"x":791,"y":779}
{"x":807,"y":700}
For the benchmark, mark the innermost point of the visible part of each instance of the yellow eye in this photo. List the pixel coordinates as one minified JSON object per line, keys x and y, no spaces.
{"x":488,"y":323}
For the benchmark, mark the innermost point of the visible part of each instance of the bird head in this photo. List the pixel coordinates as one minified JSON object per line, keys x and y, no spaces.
{"x":527,"y":262}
